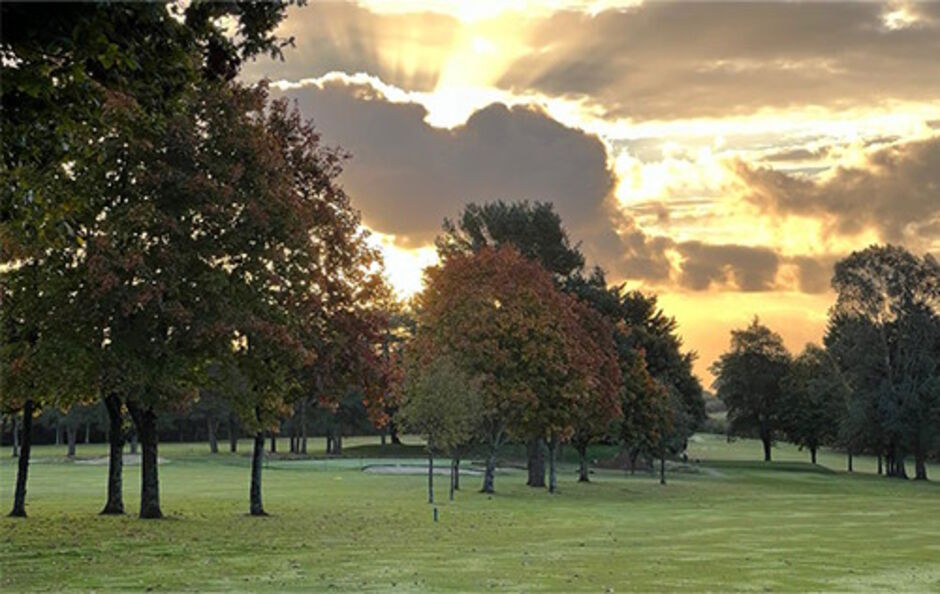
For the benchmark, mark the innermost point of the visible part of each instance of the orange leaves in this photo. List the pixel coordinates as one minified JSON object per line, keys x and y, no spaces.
{"x":500,"y":316}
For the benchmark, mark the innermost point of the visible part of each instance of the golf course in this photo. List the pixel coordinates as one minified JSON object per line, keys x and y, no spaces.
{"x":724,"y":521}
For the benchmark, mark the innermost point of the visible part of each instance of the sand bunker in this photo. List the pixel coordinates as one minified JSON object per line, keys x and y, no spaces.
{"x":129,"y":460}
{"x":415,"y":469}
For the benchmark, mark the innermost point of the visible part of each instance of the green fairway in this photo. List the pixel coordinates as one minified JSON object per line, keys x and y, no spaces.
{"x":731,"y":522}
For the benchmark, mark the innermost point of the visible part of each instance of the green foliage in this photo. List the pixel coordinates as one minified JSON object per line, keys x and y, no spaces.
{"x":813,"y":399}
{"x":534,"y":229}
{"x":884,"y":334}
{"x":748,"y":379}
{"x":442,"y":404}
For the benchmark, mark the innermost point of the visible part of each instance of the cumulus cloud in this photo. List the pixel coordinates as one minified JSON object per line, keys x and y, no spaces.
{"x":406,"y":175}
{"x":895,"y":191}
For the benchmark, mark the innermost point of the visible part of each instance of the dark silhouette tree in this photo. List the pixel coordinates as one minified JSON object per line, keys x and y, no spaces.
{"x":813,"y":400}
{"x":748,"y":380}
{"x":884,"y":332}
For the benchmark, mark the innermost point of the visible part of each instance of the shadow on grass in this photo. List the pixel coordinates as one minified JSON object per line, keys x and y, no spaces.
{"x":796,"y":467}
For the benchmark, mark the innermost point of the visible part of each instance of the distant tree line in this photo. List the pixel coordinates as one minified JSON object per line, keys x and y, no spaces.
{"x":873,"y":387}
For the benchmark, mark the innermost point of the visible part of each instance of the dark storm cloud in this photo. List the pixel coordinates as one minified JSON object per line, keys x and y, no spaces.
{"x":406,"y":175}
{"x":743,"y":267}
{"x":665,"y":60}
{"x":814,"y":273}
{"x":896,"y":192}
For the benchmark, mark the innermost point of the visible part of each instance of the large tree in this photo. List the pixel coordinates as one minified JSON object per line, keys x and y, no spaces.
{"x":91,"y":92}
{"x":813,"y":400}
{"x":500,"y":317}
{"x":656,"y":335}
{"x":884,"y":332}
{"x":598,"y":414}
{"x":537,"y":232}
{"x":748,"y":379}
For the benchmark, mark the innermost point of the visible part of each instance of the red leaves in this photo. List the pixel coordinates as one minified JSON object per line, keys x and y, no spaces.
{"x":541,"y":355}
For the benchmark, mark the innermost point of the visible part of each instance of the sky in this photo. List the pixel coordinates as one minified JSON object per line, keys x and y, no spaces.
{"x":723,"y":155}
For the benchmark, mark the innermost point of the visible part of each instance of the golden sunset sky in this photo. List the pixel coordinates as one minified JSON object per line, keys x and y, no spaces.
{"x":721,"y":155}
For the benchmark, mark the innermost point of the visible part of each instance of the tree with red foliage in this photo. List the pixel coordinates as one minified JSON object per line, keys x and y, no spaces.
{"x":600,"y":410}
{"x":501,"y":319}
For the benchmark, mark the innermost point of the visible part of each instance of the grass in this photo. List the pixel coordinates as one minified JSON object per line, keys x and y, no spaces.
{"x":734,"y":524}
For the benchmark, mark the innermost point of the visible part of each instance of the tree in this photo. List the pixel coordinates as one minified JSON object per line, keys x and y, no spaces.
{"x":40,"y":365}
{"x":301,"y":282}
{"x":748,"y":380}
{"x":656,"y":335}
{"x":210,"y":408}
{"x":442,"y":404}
{"x":533,"y":228}
{"x":600,"y":409}
{"x":90,"y":92}
{"x":536,"y":231}
{"x":645,"y":405}
{"x":813,"y":400}
{"x":501,"y":319}
{"x":884,"y":333}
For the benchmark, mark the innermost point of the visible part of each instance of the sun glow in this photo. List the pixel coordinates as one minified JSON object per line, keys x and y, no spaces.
{"x":404,"y":267}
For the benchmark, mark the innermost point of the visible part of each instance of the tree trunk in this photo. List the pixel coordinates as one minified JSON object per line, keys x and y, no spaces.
{"x":812,"y":454}
{"x":115,"y":502}
{"x":134,"y":442}
{"x":582,"y":464}
{"x":232,"y":434}
{"x":920,"y":466}
{"x":303,"y":426}
{"x":552,"y":471}
{"x":58,"y":432}
{"x":393,"y":433}
{"x":766,"y":442}
{"x":634,"y":454}
{"x":338,"y":443}
{"x":22,"y":469}
{"x":70,"y":436}
{"x":456,"y":473}
{"x":273,"y":442}
{"x":489,"y":477}
{"x":899,"y":469}
{"x":329,"y":445}
{"x":430,"y":477}
{"x":146,"y":421}
{"x":850,"y":462}
{"x":16,"y":436}
{"x":453,"y":476}
{"x":257,"y":459}
{"x":880,"y":465}
{"x":535,"y":455}
{"x":88,"y":432}
{"x":382,"y":436}
{"x":662,"y":466}
{"x":212,"y":425}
